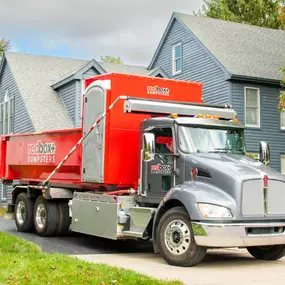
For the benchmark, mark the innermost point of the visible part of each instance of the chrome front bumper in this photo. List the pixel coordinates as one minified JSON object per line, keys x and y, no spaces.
{"x":238,"y":235}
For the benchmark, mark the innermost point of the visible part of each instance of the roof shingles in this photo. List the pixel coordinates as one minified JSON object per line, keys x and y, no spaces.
{"x":244,"y":50}
{"x":35,"y":74}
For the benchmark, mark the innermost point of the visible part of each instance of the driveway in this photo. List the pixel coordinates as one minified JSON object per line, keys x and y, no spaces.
{"x":77,"y":243}
{"x":220,"y":267}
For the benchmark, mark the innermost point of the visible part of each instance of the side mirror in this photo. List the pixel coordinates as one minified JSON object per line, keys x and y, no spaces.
{"x":148,"y":147}
{"x":264,"y":152}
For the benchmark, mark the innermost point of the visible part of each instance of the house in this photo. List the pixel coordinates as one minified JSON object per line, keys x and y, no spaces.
{"x":39,"y":93}
{"x":237,"y":64}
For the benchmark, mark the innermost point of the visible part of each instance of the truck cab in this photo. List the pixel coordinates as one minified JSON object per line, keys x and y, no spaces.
{"x":212,"y":194}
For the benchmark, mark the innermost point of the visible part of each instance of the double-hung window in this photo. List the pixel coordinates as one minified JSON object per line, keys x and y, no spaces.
{"x":282,"y":118}
{"x":7,"y":114}
{"x":252,"y":107}
{"x":282,"y":162}
{"x":177,"y":59}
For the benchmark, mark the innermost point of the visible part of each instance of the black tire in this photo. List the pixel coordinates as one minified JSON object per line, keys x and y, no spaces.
{"x":193,"y":254}
{"x":46,"y":220}
{"x":63,"y":219}
{"x":24,"y":208}
{"x":272,"y":252}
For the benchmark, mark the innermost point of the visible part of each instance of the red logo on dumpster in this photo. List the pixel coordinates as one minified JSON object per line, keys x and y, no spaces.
{"x":156,"y":90}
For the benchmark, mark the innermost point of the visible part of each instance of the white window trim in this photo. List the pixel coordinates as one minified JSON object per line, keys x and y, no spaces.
{"x":173,"y":59}
{"x":258,"y":102}
{"x":3,"y":195}
{"x":7,"y":98}
{"x":281,"y":128}
{"x":281,"y":156}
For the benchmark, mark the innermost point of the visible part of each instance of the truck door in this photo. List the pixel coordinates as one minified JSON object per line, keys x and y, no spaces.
{"x":157,"y":175}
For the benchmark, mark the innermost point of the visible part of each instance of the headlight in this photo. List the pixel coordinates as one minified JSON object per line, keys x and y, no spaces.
{"x":212,"y":211}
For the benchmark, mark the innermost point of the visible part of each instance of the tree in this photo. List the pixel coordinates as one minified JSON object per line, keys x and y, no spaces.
{"x":111,"y":59}
{"x":263,"y":13}
{"x":4,"y":46}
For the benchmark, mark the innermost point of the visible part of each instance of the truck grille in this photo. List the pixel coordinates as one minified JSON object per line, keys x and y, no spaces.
{"x":257,"y":201}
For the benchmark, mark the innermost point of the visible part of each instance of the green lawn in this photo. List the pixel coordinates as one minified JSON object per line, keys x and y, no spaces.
{"x":2,"y":211}
{"x":22,"y":262}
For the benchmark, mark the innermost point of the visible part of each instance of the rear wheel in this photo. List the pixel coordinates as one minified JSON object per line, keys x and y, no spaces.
{"x":176,"y":240}
{"x":271,"y":252}
{"x":24,"y":213}
{"x":63,"y":219}
{"x":45,"y":217}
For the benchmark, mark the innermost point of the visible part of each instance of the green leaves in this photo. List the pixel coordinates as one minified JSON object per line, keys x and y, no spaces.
{"x":4,"y":46}
{"x":263,"y":13}
{"x":111,"y":59}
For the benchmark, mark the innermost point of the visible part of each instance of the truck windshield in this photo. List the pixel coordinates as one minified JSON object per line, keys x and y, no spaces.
{"x":201,"y":139}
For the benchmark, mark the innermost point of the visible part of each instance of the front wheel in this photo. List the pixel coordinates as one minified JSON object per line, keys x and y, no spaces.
{"x":176,"y":239}
{"x":271,"y":252}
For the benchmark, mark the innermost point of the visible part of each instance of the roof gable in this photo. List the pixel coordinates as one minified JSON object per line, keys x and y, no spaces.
{"x":77,"y":74}
{"x":243,"y":50}
{"x":34,"y":74}
{"x":37,"y":78}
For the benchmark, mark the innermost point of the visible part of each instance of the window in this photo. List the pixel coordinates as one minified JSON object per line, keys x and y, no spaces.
{"x":7,"y":114}
{"x":177,"y":59}
{"x":282,"y":120}
{"x":282,"y":159}
{"x":3,"y":192}
{"x":252,"y":107}
{"x":282,"y":117}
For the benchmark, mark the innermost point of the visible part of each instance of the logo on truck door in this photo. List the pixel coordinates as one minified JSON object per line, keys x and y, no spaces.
{"x":163,"y":169}
{"x":41,"y":152}
{"x":156,"y":90}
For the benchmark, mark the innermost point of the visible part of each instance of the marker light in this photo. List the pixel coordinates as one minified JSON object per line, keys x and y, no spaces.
{"x":265,"y":181}
{"x":174,"y":116}
{"x":207,"y":116}
{"x":194,"y":172}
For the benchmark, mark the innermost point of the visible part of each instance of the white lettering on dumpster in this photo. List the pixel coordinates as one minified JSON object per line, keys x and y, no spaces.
{"x":41,"y":152}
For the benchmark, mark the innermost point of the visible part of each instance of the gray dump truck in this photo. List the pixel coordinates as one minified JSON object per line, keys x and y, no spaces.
{"x":197,"y":187}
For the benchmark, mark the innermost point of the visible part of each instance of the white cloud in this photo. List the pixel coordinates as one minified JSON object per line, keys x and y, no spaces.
{"x":130,"y":29}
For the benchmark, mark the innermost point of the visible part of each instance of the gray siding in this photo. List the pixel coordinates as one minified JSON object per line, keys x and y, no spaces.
{"x":21,"y":121}
{"x":197,"y":66}
{"x":90,"y":73}
{"x":67,"y":94}
{"x":78,"y":103}
{"x":269,"y":120}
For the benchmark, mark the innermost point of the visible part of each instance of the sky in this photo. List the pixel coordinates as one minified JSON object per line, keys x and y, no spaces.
{"x":87,"y":29}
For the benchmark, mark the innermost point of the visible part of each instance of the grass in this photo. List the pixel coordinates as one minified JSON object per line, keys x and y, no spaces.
{"x":2,"y":211}
{"x":22,"y":262}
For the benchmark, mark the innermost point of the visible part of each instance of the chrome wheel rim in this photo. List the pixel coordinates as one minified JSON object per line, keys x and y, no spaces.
{"x":41,"y":215}
{"x":177,"y":237}
{"x":21,"y":212}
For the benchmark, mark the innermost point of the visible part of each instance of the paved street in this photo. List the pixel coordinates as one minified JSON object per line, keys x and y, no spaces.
{"x":77,"y":243}
{"x":220,"y":267}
